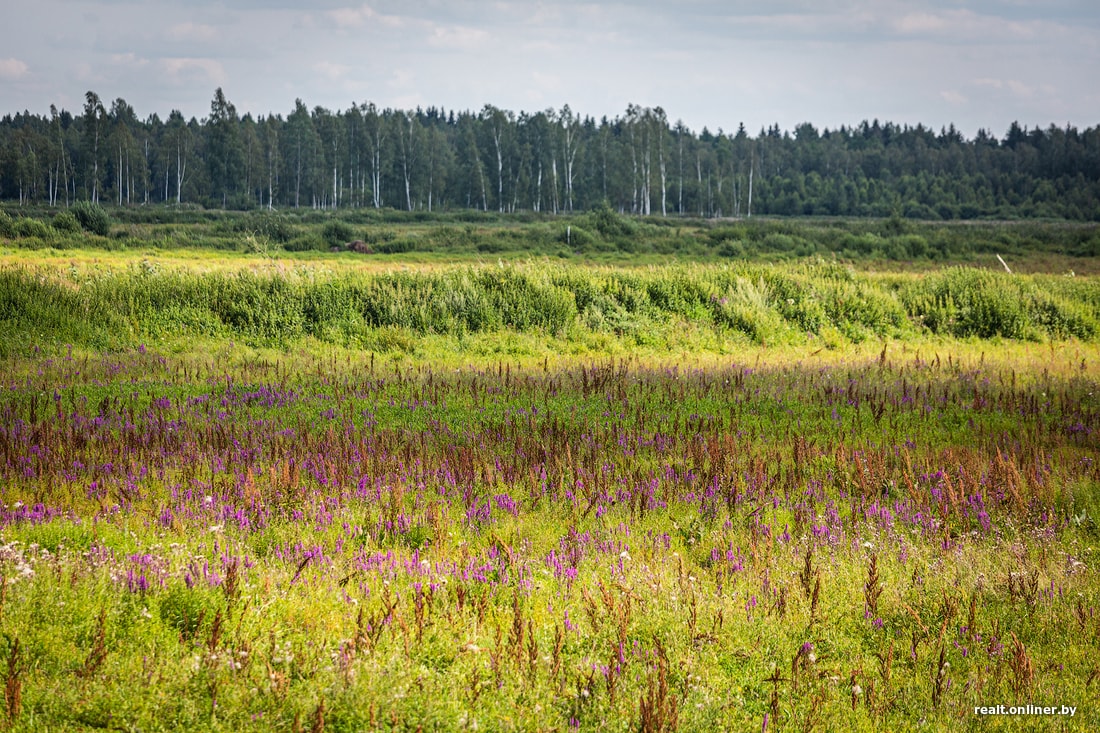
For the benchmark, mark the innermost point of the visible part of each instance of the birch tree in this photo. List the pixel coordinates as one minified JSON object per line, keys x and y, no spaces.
{"x":409,"y":134}
{"x":375,"y":129}
{"x":570,"y":137}
{"x":94,"y":118}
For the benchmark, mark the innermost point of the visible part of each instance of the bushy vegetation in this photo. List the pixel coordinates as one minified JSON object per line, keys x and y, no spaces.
{"x":601,"y":235}
{"x":66,"y":222}
{"x":92,"y":217}
{"x":765,"y":304}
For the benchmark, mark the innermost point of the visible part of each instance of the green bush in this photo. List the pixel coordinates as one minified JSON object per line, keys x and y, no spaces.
{"x":775,"y":242}
{"x":336,"y":232}
{"x":270,"y":224}
{"x":28,"y":227}
{"x":7,"y":226}
{"x":576,"y":237}
{"x":65,"y":221}
{"x":92,"y":217}
{"x":306,"y":243}
{"x":397,"y":246}
{"x":967,"y":302}
{"x":608,"y":223}
{"x":914,"y":245}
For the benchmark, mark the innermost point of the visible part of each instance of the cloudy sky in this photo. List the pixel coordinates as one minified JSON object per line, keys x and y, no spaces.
{"x":710,"y":63}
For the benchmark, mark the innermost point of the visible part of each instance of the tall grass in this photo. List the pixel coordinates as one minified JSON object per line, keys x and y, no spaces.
{"x":765,"y":304}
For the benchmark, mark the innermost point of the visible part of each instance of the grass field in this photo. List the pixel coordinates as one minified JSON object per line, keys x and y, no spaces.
{"x":250,"y":492}
{"x":601,"y":236}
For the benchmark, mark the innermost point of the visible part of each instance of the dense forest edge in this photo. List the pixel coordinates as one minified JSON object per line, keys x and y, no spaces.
{"x":552,"y":161}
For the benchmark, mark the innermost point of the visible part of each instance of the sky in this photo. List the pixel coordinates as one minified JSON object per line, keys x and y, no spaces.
{"x":712,"y":63}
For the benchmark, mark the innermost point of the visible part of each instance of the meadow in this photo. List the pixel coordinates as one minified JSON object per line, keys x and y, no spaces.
{"x":601,"y":236}
{"x":253,"y":492}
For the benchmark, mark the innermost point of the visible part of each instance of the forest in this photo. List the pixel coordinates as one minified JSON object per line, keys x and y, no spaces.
{"x":548,"y":161}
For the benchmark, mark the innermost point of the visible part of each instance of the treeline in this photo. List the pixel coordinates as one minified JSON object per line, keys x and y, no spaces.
{"x":549,"y":161}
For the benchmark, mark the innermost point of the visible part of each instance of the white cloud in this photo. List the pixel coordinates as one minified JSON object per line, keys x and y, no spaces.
{"x":331,"y":70}
{"x":547,"y":82}
{"x":181,"y":68}
{"x":361,"y":16}
{"x":128,"y":59}
{"x":13,"y":69}
{"x":458,"y":38}
{"x":960,"y":25}
{"x":351,"y":17}
{"x":920,"y":23}
{"x":952,"y":97}
{"x":193,"y":32}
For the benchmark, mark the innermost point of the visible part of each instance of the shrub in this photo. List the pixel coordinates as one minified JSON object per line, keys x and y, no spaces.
{"x":92,"y":217}
{"x":7,"y":226}
{"x":608,"y":223}
{"x":775,"y":242}
{"x":731,"y":249}
{"x":28,"y":227}
{"x":396,"y":246}
{"x":336,"y":232}
{"x":306,"y":243}
{"x":965,"y":302}
{"x":270,"y":224}
{"x":576,"y":237}
{"x":66,"y":222}
{"x":914,"y":245}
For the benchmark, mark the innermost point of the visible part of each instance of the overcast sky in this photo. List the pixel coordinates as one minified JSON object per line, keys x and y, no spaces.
{"x":710,"y":63}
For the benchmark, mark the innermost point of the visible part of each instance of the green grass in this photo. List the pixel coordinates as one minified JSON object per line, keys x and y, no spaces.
{"x":600,"y":236}
{"x":241,"y":491}
{"x":717,"y":308}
